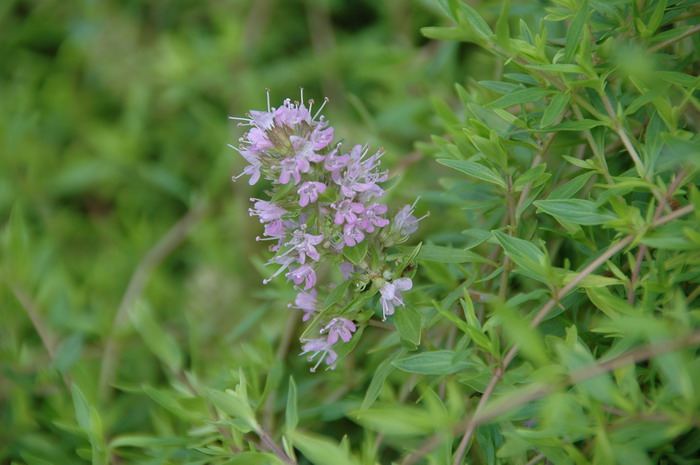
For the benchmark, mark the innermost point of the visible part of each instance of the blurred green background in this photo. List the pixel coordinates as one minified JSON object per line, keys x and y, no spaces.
{"x":116,"y":193}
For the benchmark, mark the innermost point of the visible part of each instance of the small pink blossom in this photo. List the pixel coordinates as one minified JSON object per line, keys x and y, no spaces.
{"x":321,"y":348}
{"x":347,"y":211}
{"x":306,"y":302}
{"x":309,"y":191}
{"x":352,"y":234}
{"x":370,"y":217}
{"x":390,"y":295}
{"x":339,"y":328}
{"x":304,"y":274}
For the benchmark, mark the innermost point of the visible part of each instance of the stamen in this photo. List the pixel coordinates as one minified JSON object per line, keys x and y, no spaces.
{"x":325,"y":100}
{"x":267,"y":92}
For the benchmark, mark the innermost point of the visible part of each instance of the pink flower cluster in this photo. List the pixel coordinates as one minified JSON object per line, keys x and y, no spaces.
{"x":323,"y":199}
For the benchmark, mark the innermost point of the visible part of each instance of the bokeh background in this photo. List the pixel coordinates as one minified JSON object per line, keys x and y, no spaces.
{"x":116,"y":193}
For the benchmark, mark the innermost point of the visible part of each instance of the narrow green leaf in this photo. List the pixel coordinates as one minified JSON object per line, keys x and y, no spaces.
{"x":321,"y":450}
{"x":531,"y":176}
{"x":574,"y":33}
{"x":473,"y":19}
{"x":438,"y":362}
{"x":554,"y":109}
{"x":356,"y":254}
{"x":162,"y":344}
{"x":440,"y":254}
{"x":576,"y":211}
{"x":475,"y":170}
{"x":291,"y":415}
{"x":408,"y":323}
{"x":380,"y":375}
{"x":570,"y":188}
{"x":531,"y":94}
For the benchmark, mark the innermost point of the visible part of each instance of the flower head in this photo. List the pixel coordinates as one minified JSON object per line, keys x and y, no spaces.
{"x":339,"y":328}
{"x":306,"y":302}
{"x":309,"y":191}
{"x":321,"y":348}
{"x":391,"y":295}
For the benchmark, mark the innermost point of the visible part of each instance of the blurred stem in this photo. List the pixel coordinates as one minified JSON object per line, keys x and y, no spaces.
{"x":535,"y":459}
{"x":164,"y":247}
{"x":289,"y":329}
{"x":643,"y":248}
{"x":32,"y":310}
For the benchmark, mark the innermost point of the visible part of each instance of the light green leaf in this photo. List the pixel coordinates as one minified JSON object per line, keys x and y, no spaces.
{"x":438,"y":362}
{"x":576,"y":211}
{"x":554,"y":109}
{"x":475,"y":170}
{"x":291,"y":415}
{"x":321,"y":450}
{"x":408,"y":323}
{"x":162,"y":344}
{"x":531,"y":94}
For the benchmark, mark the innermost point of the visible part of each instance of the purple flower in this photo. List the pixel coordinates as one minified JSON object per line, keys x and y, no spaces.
{"x":320,"y":137}
{"x":252,"y":170}
{"x":404,"y":221}
{"x":267,"y":211}
{"x":304,"y":274}
{"x":334,"y":163}
{"x":306,"y":301}
{"x":290,"y":168}
{"x":347,"y":211}
{"x":303,"y":244}
{"x":352,"y":234}
{"x":291,"y":114}
{"x":258,"y":140}
{"x":370,"y":218}
{"x":319,"y":347}
{"x":308,"y":192}
{"x":339,"y":328}
{"x":262,"y":119}
{"x":346,"y":269}
{"x":391,"y":297}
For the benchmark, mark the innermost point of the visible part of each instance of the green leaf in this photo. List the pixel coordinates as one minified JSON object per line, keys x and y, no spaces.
{"x":399,"y":420}
{"x":162,"y":344}
{"x":380,"y":375}
{"x":519,"y":332}
{"x":447,"y":33}
{"x":554,"y":109}
{"x":475,"y":170}
{"x":576,"y":211}
{"x":534,"y":175}
{"x":570,"y":188}
{"x":171,"y":403}
{"x":440,"y":254}
{"x":408,"y":323}
{"x":525,"y":254}
{"x":473,"y":19}
{"x":580,"y":125}
{"x":321,"y":450}
{"x":254,"y":458}
{"x":438,"y":362}
{"x":234,"y":405}
{"x":574,"y":33}
{"x":356,"y":254}
{"x":531,"y":94}
{"x":291,"y":415}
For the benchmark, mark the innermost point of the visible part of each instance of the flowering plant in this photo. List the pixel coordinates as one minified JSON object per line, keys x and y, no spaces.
{"x":324,"y":212}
